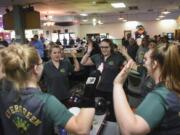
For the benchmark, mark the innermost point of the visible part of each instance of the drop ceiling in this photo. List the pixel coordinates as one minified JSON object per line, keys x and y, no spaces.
{"x":61,"y":10}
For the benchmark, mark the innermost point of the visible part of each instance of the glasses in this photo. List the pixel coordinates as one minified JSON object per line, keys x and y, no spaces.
{"x":104,"y":47}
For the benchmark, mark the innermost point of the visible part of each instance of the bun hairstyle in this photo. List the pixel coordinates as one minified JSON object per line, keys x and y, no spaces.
{"x":18,"y":60}
{"x":110,"y":42}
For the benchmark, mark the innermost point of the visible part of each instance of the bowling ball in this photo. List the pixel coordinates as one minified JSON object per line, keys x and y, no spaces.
{"x":100,"y":106}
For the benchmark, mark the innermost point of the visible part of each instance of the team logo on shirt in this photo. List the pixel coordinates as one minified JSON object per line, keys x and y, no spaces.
{"x":62,"y":70}
{"x":21,"y":124}
{"x":111,"y":63}
{"x":21,"y":117}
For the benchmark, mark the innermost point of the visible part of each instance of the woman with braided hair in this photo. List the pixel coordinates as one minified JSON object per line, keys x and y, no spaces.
{"x":27,"y":110}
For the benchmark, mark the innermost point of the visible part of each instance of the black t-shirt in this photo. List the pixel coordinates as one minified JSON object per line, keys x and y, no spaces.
{"x":56,"y":79}
{"x":132,"y":49}
{"x":112,"y":67}
{"x":31,"y":112}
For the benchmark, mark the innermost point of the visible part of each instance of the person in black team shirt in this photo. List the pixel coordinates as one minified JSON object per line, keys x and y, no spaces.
{"x":109,"y":63}
{"x":27,"y":110}
{"x":158,"y":114}
{"x":57,"y":71}
{"x":95,"y":50}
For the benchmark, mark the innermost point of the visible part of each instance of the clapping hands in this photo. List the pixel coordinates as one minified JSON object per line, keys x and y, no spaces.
{"x":121,"y":77}
{"x":73,"y":53}
{"x":90,"y":48}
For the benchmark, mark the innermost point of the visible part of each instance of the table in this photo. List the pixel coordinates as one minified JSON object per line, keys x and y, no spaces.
{"x":102,"y":127}
{"x":110,"y":128}
{"x":98,"y":123}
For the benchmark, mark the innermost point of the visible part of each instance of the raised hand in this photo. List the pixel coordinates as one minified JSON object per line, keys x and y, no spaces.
{"x":122,"y":50}
{"x":90,"y":48}
{"x":121,"y":77}
{"x":73,"y":53}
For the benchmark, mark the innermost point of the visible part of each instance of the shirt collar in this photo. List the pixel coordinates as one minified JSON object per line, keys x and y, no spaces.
{"x":30,"y":90}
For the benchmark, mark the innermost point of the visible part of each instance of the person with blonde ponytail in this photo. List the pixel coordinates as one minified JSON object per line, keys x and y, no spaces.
{"x":159,"y":112}
{"x":27,"y":110}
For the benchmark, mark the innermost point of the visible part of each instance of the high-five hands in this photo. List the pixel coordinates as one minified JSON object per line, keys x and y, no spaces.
{"x":73,"y":53}
{"x":121,"y":77}
{"x":90,"y":48}
{"x":122,"y":50}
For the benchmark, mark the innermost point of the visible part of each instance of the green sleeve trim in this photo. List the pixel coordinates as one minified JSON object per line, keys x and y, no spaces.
{"x":57,"y":112}
{"x":152,"y":109}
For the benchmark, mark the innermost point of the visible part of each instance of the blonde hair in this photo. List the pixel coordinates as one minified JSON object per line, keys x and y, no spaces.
{"x":171,"y":67}
{"x":52,"y":47}
{"x":18,"y":60}
{"x":167,"y":57}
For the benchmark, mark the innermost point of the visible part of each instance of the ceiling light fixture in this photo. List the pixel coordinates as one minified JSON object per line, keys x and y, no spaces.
{"x":49,"y":23}
{"x":165,"y":12}
{"x":99,"y":22}
{"x":83,"y":14}
{"x":85,"y":20}
{"x":94,"y":21}
{"x":118,"y":5}
{"x":161,"y":16}
{"x":120,"y":18}
{"x":0,"y":15}
{"x":50,"y":17}
{"x":94,"y":2}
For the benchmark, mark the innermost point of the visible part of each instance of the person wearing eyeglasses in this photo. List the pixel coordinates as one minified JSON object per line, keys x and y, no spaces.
{"x":26,"y":110}
{"x":109,"y":63}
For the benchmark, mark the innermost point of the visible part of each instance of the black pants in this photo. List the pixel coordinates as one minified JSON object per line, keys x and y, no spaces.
{"x":109,"y":98}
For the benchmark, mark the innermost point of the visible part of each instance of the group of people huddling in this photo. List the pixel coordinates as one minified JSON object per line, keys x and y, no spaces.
{"x":27,"y":110}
